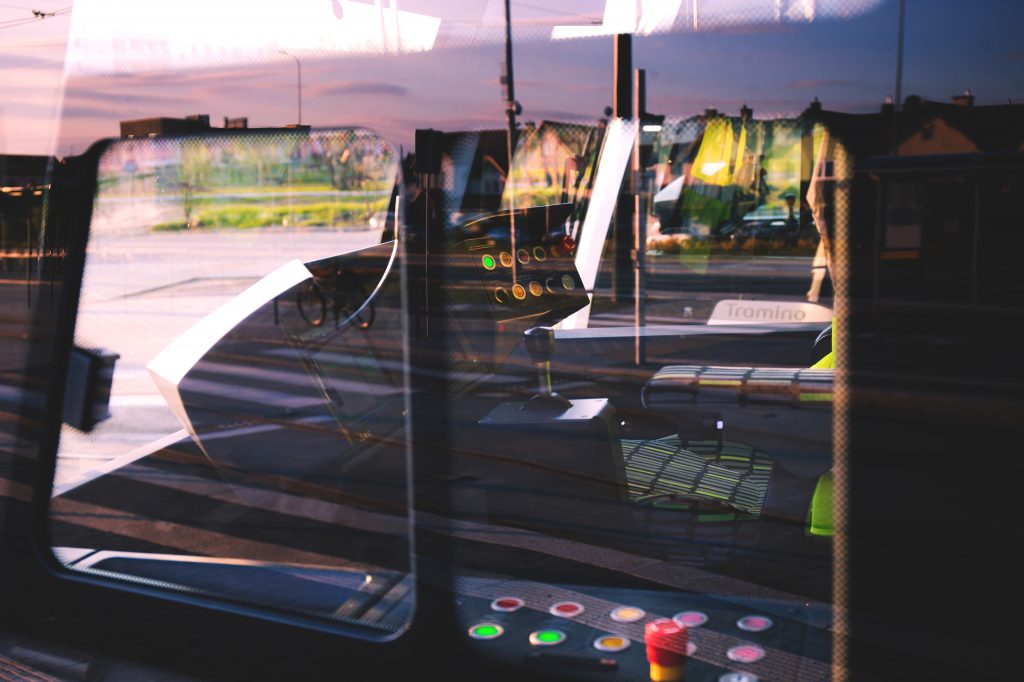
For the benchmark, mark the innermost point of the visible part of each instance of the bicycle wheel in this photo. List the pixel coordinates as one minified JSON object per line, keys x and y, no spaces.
{"x":312,"y":304}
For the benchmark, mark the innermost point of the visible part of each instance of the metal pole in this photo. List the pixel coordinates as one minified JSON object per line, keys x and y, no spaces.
{"x":510,"y":90}
{"x":510,"y":114}
{"x":639,"y":220}
{"x":622,"y":269}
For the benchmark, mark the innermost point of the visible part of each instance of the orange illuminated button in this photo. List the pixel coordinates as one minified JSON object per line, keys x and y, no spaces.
{"x":666,"y":649}
{"x":519,"y":292}
{"x":507,"y":604}
{"x":506,"y":259}
{"x":566,"y":609}
{"x":627,"y":614}
{"x":523,"y":255}
{"x":611,"y":643}
{"x":536,"y":289}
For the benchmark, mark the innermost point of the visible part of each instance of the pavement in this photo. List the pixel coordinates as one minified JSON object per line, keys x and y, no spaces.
{"x":142,"y":289}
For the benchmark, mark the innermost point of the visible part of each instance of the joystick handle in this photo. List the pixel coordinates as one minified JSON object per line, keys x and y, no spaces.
{"x":540,"y":344}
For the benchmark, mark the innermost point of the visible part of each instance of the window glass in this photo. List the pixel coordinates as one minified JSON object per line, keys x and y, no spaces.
{"x":237,"y":297}
{"x":576,"y":280}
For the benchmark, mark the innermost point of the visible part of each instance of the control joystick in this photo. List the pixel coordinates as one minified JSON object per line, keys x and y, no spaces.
{"x":552,"y":463}
{"x":540,"y":344}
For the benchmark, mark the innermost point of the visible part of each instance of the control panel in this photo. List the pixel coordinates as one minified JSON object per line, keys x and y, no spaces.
{"x":536,"y":278}
{"x":618,"y":634}
{"x":498,"y":287}
{"x":532,"y":275}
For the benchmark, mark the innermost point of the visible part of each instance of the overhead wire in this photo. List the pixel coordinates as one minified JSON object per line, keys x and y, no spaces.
{"x":23,"y":21}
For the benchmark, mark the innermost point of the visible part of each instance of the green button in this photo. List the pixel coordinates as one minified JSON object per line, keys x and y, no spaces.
{"x":489,"y":263}
{"x":547,"y":637}
{"x":486,"y":631}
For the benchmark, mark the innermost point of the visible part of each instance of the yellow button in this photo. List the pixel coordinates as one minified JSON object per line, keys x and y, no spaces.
{"x":611,"y":643}
{"x":627,"y":614}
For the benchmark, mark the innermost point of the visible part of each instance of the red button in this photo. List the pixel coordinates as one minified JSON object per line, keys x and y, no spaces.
{"x":666,"y":642}
{"x":566,"y":609}
{"x":507,"y":604}
{"x":567,"y":245}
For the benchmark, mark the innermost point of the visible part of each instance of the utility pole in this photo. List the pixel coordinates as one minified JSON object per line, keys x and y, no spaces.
{"x":299,"y":65}
{"x":899,"y":55}
{"x":899,"y":76}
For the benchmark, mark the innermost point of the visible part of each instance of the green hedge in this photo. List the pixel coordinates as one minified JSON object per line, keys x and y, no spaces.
{"x":244,"y":216}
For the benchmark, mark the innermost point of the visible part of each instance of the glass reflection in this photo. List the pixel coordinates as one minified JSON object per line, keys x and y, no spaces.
{"x":701,"y":288}
{"x":254,"y":448}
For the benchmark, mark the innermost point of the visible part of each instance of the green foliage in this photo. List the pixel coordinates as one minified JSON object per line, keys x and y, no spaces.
{"x":671,"y":246}
{"x":245,"y":216}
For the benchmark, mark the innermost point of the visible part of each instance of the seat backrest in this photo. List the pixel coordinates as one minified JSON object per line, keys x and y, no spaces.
{"x":677,"y":387}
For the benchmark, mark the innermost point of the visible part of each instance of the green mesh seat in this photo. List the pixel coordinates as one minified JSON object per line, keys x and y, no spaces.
{"x":730,"y":474}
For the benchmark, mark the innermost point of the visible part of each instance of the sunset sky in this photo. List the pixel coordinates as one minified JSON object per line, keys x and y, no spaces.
{"x":31,"y":59}
{"x":849,"y":64}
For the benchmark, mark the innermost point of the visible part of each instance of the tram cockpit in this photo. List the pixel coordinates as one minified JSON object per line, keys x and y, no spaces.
{"x":469,"y":376}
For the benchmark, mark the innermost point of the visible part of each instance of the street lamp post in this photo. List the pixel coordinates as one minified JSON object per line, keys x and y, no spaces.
{"x":298,"y":64}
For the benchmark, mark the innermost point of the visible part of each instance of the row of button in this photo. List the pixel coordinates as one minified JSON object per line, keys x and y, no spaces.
{"x":550,"y":637}
{"x":534,"y":287}
{"x":522,"y":255}
{"x":564,"y":247}
{"x":742,"y":653}
{"x":554,"y":637}
{"x":631,"y":614}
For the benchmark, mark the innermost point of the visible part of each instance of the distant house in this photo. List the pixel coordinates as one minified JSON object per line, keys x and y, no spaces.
{"x":923,"y":127}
